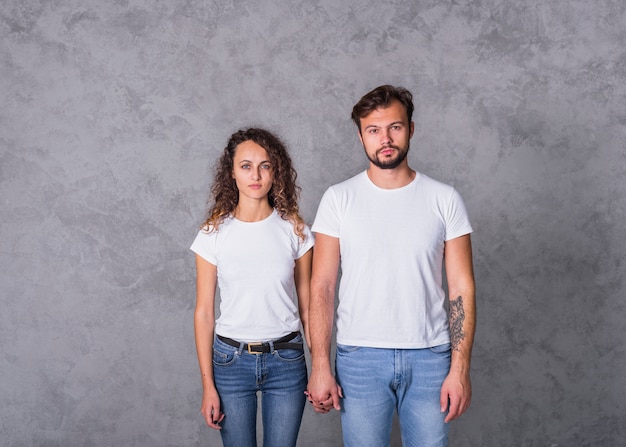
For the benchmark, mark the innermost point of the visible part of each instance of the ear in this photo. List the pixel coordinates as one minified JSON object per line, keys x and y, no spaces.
{"x":412,"y":129}
{"x":360,"y":136}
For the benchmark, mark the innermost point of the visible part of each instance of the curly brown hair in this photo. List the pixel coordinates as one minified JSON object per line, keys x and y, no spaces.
{"x":283,"y":195}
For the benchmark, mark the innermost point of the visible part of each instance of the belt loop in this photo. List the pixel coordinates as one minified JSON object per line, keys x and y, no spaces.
{"x":271,"y":343}
{"x":240,"y":349}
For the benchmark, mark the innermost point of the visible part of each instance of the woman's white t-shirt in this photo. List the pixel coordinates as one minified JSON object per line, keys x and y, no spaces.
{"x":255,"y":275}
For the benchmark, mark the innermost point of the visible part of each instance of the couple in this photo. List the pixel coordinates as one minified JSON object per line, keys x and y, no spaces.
{"x":390,"y":229}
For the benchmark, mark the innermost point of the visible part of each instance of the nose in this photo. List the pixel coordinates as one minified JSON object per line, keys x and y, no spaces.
{"x":385,"y":137}
{"x":256,"y":173}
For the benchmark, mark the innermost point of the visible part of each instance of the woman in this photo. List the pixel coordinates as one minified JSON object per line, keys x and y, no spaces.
{"x":257,"y":249}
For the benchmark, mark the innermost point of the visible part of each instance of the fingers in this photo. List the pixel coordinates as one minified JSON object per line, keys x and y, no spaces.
{"x":214,"y":421}
{"x":323,"y":392}
{"x":321,"y":409}
{"x":335,"y":396}
{"x":444,"y":401}
{"x":218,"y":418}
{"x":455,"y":397}
{"x":323,"y":406}
{"x":213,"y":417}
{"x":316,"y":405}
{"x":453,"y":410}
{"x":456,"y":406}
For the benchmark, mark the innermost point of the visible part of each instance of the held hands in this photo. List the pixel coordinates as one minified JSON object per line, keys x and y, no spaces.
{"x":323,"y":392}
{"x":211,"y":409}
{"x":456,"y":395}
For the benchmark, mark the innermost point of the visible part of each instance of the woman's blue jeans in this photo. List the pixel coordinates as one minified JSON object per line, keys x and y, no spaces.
{"x":279,"y":376}
{"x":376,"y":382}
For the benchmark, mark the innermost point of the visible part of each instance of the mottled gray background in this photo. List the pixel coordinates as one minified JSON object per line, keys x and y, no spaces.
{"x":112,"y":114}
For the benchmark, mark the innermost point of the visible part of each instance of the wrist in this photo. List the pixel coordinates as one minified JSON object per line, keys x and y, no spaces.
{"x":460,"y":367}
{"x":209,"y":390}
{"x":320,"y":366}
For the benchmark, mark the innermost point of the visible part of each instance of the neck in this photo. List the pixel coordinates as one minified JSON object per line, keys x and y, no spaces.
{"x":391,"y":178}
{"x":252,"y":210}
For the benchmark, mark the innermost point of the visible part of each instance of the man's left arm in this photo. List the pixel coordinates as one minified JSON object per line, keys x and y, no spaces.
{"x":456,"y":391}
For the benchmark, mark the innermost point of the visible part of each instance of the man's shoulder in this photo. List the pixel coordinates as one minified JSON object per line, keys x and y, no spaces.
{"x":432,"y":185}
{"x":353,"y":182}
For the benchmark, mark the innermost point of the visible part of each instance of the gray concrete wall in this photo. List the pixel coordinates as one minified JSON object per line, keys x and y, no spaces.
{"x":113,"y":112}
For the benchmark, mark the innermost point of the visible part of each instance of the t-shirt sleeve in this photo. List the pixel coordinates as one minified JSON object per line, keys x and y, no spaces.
{"x":327,"y":218}
{"x":304,"y":246}
{"x":204,"y":246}
{"x":457,"y":220}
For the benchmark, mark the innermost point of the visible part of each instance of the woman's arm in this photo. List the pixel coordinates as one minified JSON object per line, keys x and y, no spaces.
{"x":302,"y":276}
{"x":204,"y":325}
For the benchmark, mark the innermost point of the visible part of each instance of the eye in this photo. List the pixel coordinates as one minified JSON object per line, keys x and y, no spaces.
{"x":372,"y":131}
{"x":396,"y":127}
{"x":266,"y":166}
{"x":245,"y":166}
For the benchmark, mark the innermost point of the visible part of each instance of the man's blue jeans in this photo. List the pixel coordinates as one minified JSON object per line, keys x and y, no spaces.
{"x":280,"y":377}
{"x":376,"y":382}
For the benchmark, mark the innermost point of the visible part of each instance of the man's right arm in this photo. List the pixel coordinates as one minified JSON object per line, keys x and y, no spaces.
{"x":323,"y":391}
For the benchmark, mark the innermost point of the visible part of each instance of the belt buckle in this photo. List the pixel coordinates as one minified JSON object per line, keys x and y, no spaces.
{"x":251,"y":345}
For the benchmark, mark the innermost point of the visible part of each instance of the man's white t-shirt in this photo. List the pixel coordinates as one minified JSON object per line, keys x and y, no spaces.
{"x":255,"y":274}
{"x":392,"y":243}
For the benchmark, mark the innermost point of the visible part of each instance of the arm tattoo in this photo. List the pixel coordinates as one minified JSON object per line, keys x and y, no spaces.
{"x":457,"y":317}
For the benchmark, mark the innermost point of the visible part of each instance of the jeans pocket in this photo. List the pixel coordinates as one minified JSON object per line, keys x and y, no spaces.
{"x":440,"y":349}
{"x":289,"y":355}
{"x":346,"y":349}
{"x":223,"y":357}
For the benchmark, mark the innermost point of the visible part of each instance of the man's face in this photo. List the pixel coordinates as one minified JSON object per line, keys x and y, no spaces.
{"x":385,"y":134}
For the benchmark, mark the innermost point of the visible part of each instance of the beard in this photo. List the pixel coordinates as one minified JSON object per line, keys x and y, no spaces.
{"x":390,"y":163}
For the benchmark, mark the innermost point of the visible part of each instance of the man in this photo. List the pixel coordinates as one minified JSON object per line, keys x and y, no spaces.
{"x":392,"y":228}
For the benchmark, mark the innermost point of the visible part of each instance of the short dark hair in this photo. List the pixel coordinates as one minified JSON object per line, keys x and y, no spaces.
{"x":382,"y":97}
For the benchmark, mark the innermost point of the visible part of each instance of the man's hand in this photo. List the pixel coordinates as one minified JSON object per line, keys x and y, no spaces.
{"x":323,"y":392}
{"x":456,"y":395}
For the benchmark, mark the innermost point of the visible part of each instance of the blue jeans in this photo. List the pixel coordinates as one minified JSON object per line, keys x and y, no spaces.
{"x":376,"y":382}
{"x":280,"y":376}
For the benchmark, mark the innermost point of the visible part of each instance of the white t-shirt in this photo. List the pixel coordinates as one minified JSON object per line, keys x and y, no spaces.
{"x":391,"y":242}
{"x":255,"y":273}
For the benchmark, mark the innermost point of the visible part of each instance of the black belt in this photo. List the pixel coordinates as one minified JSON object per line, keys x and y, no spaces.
{"x":264,"y":347}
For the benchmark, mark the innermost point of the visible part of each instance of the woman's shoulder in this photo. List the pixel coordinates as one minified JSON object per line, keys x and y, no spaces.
{"x":209,"y":229}
{"x":289,"y":224}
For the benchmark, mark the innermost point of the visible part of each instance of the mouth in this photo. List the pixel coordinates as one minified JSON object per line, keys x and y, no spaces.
{"x":385,"y":151}
{"x":255,"y":186}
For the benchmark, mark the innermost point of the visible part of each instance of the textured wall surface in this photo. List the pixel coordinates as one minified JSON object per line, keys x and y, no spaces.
{"x":113,"y":113}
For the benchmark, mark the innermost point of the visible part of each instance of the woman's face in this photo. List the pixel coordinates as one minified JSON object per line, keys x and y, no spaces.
{"x":252,"y":171}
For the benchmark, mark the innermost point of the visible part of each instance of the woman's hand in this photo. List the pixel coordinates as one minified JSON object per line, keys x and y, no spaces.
{"x":211,"y":409}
